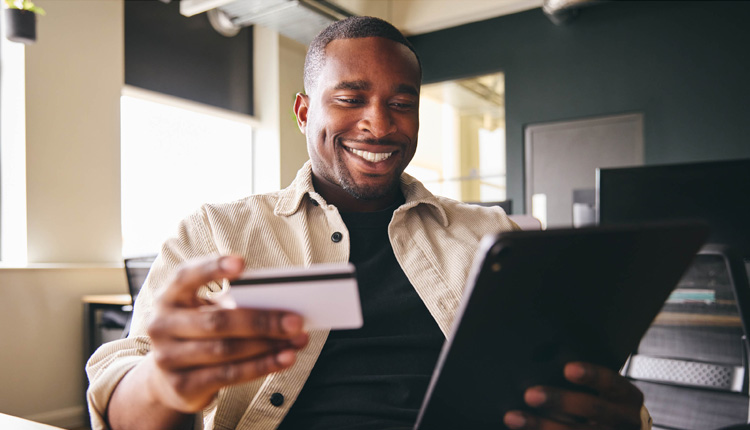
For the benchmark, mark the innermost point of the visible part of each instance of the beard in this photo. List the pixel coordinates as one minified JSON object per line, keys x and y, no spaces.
{"x":360,"y":191}
{"x":366,"y":192}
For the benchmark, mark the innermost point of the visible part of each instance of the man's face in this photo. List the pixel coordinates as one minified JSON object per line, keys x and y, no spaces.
{"x":361,"y":118}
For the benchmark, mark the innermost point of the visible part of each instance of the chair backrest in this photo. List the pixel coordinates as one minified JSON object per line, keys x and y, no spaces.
{"x":136,"y":269}
{"x":692,"y":363}
{"x":526,"y":222}
{"x":507,"y":205}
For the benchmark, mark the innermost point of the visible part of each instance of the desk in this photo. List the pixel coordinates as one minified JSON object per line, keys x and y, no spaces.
{"x":92,"y":305}
{"x":107,"y":299}
{"x":15,"y":423}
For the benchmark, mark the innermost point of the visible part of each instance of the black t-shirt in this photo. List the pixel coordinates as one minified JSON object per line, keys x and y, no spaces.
{"x":374,"y":377}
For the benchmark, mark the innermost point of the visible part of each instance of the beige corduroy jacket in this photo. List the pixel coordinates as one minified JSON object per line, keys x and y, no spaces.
{"x":434,"y":240}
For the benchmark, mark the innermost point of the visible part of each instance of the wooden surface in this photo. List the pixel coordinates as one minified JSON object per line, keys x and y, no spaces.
{"x":15,"y":423}
{"x":679,"y":318}
{"x":108,"y":299}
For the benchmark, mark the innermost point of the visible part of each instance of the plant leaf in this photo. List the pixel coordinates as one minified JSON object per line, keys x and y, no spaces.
{"x":24,"y":5}
{"x":30,"y":6}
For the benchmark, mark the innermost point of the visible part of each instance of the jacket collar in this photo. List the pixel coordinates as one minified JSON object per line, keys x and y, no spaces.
{"x":290,"y":198}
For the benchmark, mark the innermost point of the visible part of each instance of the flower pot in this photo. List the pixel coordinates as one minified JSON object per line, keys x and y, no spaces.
{"x":20,"y":26}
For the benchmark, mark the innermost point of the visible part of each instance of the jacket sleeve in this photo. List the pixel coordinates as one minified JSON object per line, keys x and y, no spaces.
{"x":113,"y":360}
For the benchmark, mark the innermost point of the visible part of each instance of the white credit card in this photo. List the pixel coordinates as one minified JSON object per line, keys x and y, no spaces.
{"x":326,"y":295}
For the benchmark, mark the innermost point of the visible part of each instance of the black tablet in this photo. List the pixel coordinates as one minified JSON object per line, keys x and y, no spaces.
{"x":535,"y":300}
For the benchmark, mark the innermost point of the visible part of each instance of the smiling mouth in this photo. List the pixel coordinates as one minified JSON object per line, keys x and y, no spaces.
{"x":373,"y":157}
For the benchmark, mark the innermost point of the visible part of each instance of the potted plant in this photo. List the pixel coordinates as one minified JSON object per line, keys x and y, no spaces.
{"x":20,"y":20}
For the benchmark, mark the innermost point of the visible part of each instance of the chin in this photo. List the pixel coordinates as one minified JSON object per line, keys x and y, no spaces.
{"x":369,"y":191}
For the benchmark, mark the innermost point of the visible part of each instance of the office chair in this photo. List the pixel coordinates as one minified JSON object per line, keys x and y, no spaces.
{"x":507,"y":205}
{"x":526,"y":222}
{"x":136,"y":270}
{"x":115,"y":323}
{"x":692,"y":363}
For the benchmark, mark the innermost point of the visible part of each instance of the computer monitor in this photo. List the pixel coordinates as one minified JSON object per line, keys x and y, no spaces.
{"x":717,"y":192}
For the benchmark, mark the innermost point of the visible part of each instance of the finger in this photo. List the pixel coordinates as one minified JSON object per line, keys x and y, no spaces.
{"x":210,"y":379}
{"x":522,"y":420}
{"x":591,"y":408}
{"x":194,"y":274}
{"x":212,"y":323}
{"x":608,"y":383}
{"x":176,"y":355}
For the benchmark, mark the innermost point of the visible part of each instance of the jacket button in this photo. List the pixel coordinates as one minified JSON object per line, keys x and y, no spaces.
{"x":277,"y":399}
{"x":336,"y":237}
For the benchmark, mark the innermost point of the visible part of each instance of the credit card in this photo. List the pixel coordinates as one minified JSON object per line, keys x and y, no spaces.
{"x":326,"y":295}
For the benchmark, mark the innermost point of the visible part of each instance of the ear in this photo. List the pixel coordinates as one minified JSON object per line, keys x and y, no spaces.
{"x":301,"y":103}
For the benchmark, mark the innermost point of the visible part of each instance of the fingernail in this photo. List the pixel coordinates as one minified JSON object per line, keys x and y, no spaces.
{"x":299,"y":341}
{"x":229,"y":264}
{"x":291,"y":323}
{"x":514,"y":420}
{"x":535,"y":397}
{"x":575,"y":371}
{"x":285,"y":358}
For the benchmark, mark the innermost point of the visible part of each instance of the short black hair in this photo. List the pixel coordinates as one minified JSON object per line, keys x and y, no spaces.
{"x":354,"y":27}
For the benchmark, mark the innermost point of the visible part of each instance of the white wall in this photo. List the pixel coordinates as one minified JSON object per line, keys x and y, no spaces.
{"x":74,"y":75}
{"x":41,"y":333}
{"x":291,"y":82}
{"x":266,"y":143}
{"x":280,"y":147}
{"x":422,"y":16}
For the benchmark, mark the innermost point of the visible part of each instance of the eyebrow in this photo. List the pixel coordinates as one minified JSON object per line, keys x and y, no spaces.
{"x":353,"y":85}
{"x":406,"y":89}
{"x":362,"y":85}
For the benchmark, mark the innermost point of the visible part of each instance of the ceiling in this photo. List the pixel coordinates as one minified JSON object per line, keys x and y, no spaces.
{"x":301,"y":20}
{"x":423,"y":16}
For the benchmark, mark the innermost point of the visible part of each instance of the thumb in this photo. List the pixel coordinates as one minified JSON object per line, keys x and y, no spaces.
{"x":197,"y":273}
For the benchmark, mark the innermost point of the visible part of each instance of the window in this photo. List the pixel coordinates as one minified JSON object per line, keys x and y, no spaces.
{"x":461,"y":151}
{"x":13,"y":244}
{"x":175,"y":156}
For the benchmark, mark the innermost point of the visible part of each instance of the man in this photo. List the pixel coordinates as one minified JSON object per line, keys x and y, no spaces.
{"x":254,"y":369}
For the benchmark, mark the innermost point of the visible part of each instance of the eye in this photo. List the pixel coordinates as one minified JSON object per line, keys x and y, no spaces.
{"x":404,"y":105}
{"x":349,"y":100}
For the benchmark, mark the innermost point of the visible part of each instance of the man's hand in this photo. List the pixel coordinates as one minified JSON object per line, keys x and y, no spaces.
{"x":199,"y":348}
{"x":616,"y":404}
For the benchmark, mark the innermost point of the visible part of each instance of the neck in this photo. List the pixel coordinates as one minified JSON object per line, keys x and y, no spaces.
{"x":345,"y":202}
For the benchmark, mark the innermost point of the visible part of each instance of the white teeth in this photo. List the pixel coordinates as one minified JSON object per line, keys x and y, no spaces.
{"x":372,"y":157}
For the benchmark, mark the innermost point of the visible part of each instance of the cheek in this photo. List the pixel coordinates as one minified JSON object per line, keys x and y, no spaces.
{"x":315,"y":132}
{"x":410,"y":128}
{"x":319,"y":141}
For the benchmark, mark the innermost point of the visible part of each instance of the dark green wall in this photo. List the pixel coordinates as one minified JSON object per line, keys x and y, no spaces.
{"x":685,"y":65}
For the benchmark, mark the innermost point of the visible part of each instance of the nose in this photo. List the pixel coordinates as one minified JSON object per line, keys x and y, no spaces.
{"x":377,"y":119}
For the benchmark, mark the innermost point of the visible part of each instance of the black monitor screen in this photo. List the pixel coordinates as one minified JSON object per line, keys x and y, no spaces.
{"x":717,"y":192}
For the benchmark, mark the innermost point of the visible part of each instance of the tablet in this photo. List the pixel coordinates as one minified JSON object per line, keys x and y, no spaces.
{"x":535,"y":300}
